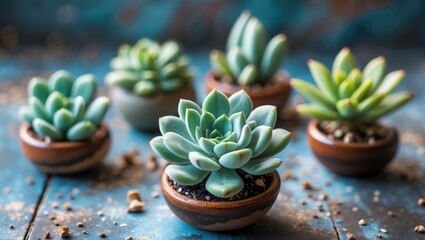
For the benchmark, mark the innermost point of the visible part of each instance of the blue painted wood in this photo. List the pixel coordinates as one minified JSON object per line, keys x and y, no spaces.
{"x":102,"y":190}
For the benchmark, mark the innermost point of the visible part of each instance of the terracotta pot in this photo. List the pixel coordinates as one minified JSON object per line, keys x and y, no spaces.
{"x":220,"y":216}
{"x":65,"y":157}
{"x":275,"y":95}
{"x":143,"y":112}
{"x":352,"y":159}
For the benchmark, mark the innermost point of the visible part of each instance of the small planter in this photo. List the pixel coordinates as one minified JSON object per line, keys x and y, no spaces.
{"x":143,"y":112}
{"x":276,"y":95}
{"x":352,"y":159}
{"x":65,"y":157}
{"x":220,"y":216}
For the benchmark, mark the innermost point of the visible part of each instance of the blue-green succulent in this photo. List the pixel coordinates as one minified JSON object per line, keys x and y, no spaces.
{"x":64,"y":109}
{"x":249,"y":59}
{"x":216,"y":139}
{"x":148,"y":68}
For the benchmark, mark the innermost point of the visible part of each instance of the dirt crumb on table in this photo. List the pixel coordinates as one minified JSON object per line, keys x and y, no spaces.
{"x":420,"y":229}
{"x":133,"y":195}
{"x":421,"y":202}
{"x":63,"y":231}
{"x":351,"y":236}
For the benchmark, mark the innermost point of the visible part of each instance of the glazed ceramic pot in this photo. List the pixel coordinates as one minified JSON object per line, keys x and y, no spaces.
{"x":143,"y":112}
{"x":65,"y":157}
{"x":220,"y":216}
{"x":352,"y":159}
{"x":275,"y":95}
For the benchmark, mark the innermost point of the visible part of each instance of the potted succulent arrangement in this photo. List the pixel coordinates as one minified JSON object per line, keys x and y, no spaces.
{"x":252,"y":64}
{"x":346,"y":134}
{"x":63,"y":131}
{"x":148,"y":80}
{"x":223,"y":169}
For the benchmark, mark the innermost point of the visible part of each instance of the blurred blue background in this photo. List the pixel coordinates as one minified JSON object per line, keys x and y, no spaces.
{"x":205,"y":23}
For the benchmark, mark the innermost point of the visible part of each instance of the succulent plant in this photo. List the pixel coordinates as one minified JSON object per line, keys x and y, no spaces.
{"x":348,"y":94}
{"x":215,"y":140}
{"x":63,"y":109}
{"x":148,"y":68}
{"x":249,"y":59}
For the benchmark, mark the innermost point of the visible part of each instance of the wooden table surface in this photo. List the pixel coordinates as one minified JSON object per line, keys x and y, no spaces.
{"x":29,"y":207}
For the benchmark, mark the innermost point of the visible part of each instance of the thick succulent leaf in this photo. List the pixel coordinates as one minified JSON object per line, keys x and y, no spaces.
{"x":391,"y":81}
{"x":375,"y":70}
{"x":149,"y":75}
{"x":252,"y":124}
{"x":38,"y":88}
{"x":84,"y":86}
{"x":264,"y":115}
{"x":312,"y":93}
{"x":198,"y":133}
{"x":169,"y":70}
{"x":158,"y":146}
{"x":238,"y":122}
{"x":203,"y":162}
{"x":169,"y":52}
{"x":63,"y":119}
{"x":315,"y":111}
{"x":240,"y":102}
{"x":185,"y":174}
{"x":387,"y":105}
{"x":224,"y":147}
{"x":224,"y":183}
{"x":185,"y":104}
{"x":346,"y":89}
{"x":219,"y":63}
{"x":123,"y":79}
{"x":236,"y":33}
{"x":236,"y":61}
{"x":223,"y":124}
{"x":179,"y":145}
{"x":370,"y":103}
{"x":171,"y":85}
{"x":207,"y":145}
{"x":207,"y":122}
{"x":260,"y":140}
{"x":216,"y":134}
{"x":347,"y":108}
{"x":97,"y":110}
{"x":280,"y":139}
{"x":231,"y":138}
{"x":61,"y":81}
{"x":254,"y":41}
{"x":45,"y":129}
{"x":323,"y":79}
{"x":273,"y":56}
{"x":173,"y":124}
{"x":78,"y":107}
{"x":356,"y":76}
{"x":192,"y":122}
{"x":344,"y":61}
{"x":248,"y":75}
{"x":53,"y":103}
{"x":37,"y":109}
{"x":362,"y":92}
{"x":339,"y":77}
{"x":236,"y":159}
{"x":144,"y":88}
{"x":121,"y":63}
{"x":81,"y":131}
{"x":26,"y":114}
{"x":262,"y":166}
{"x":216,"y":103}
{"x":245,"y":137}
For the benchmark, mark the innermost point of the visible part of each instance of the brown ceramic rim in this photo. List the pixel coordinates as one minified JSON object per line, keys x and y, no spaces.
{"x":198,"y":205}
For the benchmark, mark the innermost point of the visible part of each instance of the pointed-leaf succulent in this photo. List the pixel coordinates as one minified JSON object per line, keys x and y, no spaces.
{"x":62,"y":108}
{"x":214,"y":140}
{"x":148,"y":68}
{"x":347,"y":94}
{"x":249,"y":59}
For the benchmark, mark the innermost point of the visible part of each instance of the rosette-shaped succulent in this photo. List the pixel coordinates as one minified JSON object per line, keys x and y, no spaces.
{"x":250,"y":59}
{"x":349,"y":95}
{"x":148,"y":68}
{"x":63,"y":109}
{"x":215,"y":140}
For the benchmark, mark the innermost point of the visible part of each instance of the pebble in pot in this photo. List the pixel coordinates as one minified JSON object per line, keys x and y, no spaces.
{"x":346,"y":134}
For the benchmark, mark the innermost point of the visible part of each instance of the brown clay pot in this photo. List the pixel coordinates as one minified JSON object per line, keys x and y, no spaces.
{"x":143,"y":112}
{"x":65,"y":157}
{"x":352,"y":159}
{"x":220,"y":216}
{"x":275,"y":95}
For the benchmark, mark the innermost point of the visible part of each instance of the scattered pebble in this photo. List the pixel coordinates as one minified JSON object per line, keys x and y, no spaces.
{"x":302,"y":201}
{"x":355,"y":209}
{"x":11,"y":226}
{"x":151,"y":162}
{"x":391,"y":213}
{"x":379,"y":235}
{"x":67,"y":206}
{"x":154,"y":194}
{"x":102,"y":234}
{"x":115,"y":223}
{"x":85,"y":232}
{"x":56,"y":222}
{"x":47,"y":234}
{"x":133,"y":195}
{"x":362,"y":222}
{"x":207,"y":198}
{"x":320,"y":207}
{"x":306,"y":185}
{"x":58,"y":195}
{"x":100,"y":213}
{"x":323,"y":196}
{"x":260,"y":182}
{"x":384,"y":230}
{"x":421,"y":201}
{"x":30,"y":180}
{"x":55,"y":205}
{"x":63,"y":231}
{"x":129,"y":238}
{"x":420,"y":229}
{"x":135,"y":206}
{"x":287,"y":175}
{"x":80,"y":224}
{"x":351,"y":236}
